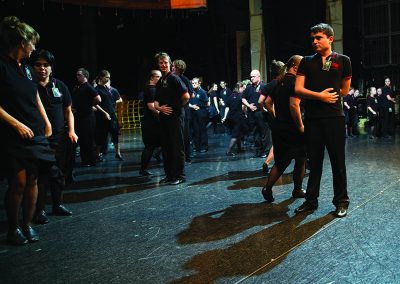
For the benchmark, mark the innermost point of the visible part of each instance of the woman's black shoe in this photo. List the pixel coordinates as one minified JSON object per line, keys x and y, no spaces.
{"x":15,"y":237}
{"x":267,"y":194}
{"x":265,"y":168}
{"x":30,"y":234}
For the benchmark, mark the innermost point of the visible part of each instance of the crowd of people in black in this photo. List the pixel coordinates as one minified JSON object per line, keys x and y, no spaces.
{"x":295,"y":116}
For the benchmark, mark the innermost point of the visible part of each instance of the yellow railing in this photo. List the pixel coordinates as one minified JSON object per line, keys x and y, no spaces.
{"x":129,"y":114}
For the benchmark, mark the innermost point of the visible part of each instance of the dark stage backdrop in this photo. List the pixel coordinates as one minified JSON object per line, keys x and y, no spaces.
{"x":125,"y":41}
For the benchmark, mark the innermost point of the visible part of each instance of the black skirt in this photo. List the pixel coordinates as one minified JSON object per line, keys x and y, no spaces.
{"x":31,"y":154}
{"x":288,"y":142}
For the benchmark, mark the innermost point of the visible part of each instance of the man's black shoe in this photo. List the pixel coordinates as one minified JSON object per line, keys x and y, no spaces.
{"x":145,"y":173}
{"x":164,"y":180}
{"x":298,"y":193}
{"x":340,"y":212}
{"x":177,"y":181}
{"x":41,"y":217}
{"x":61,"y":210}
{"x":306,"y":206}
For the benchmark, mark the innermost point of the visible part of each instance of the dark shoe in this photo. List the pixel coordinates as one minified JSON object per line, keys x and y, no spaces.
{"x":298,"y":193}
{"x":265,"y":168}
{"x":30,"y":234}
{"x":340,"y":212}
{"x":306,"y":206}
{"x":145,"y":173}
{"x":177,"y":181}
{"x":267,"y":194}
{"x":164,"y":180}
{"x":100,"y":159}
{"x":15,"y":237}
{"x":41,"y":217}
{"x":231,"y":154}
{"x":203,"y":150}
{"x":119,"y":157}
{"x":61,"y":210}
{"x":188,"y":160}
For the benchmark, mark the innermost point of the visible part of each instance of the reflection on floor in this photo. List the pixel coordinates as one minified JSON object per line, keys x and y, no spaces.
{"x":215,"y":228}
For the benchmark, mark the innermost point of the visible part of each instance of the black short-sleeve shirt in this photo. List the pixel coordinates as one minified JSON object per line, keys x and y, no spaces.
{"x":318,"y":80}
{"x":281,"y":95}
{"x":252,"y":93}
{"x":372,"y":102}
{"x":18,"y":98}
{"x":269,"y":87}
{"x":169,"y":91}
{"x":82,"y":99}
{"x":148,"y":97}
{"x":107,"y":99}
{"x":55,"y":98}
{"x":234,"y":103}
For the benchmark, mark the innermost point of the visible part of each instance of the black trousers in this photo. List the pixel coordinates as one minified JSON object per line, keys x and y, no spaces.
{"x":326,"y":133}
{"x":200,"y":136}
{"x":54,"y":179}
{"x":262,"y":132}
{"x":85,"y":127}
{"x":172,"y":145}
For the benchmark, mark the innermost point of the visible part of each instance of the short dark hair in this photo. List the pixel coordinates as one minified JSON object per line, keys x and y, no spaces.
{"x":43,"y":54}
{"x":323,"y":28}
{"x":84,"y":72}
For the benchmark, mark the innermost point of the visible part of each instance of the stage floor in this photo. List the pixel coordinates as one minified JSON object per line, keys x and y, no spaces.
{"x":216,"y":227}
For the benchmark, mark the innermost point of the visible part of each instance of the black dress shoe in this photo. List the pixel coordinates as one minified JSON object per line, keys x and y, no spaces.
{"x":61,"y":210}
{"x":231,"y":154}
{"x":306,"y":206}
{"x":119,"y":157}
{"x":298,"y":193}
{"x":340,"y":212}
{"x":177,"y":181}
{"x":267,"y":194}
{"x":16,"y":237}
{"x":30,"y":234}
{"x":164,"y":180}
{"x":41,"y":217}
{"x":145,"y":173}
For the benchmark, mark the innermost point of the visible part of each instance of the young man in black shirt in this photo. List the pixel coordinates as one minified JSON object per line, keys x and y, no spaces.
{"x":322,"y":79}
{"x":171,"y":96}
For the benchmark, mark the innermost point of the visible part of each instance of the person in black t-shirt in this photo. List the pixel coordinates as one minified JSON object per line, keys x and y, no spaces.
{"x":150,"y":123}
{"x":388,"y":115}
{"x":84,"y":97}
{"x":199,"y":115}
{"x":106,"y":119}
{"x":171,"y":96}
{"x":24,"y":126}
{"x":372,"y":111}
{"x":287,"y":131}
{"x":57,"y":102}
{"x":179,"y":68}
{"x":257,"y":122}
{"x":234,"y":117}
{"x":322,"y":79}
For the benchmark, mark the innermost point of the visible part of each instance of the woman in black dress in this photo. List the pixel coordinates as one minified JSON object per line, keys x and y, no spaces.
{"x":287,"y":131}
{"x":24,"y":127}
{"x":234,"y":117}
{"x":213,"y":110}
{"x":150,"y":123}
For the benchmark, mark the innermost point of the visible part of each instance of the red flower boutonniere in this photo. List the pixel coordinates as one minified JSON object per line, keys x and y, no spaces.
{"x":335,"y":66}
